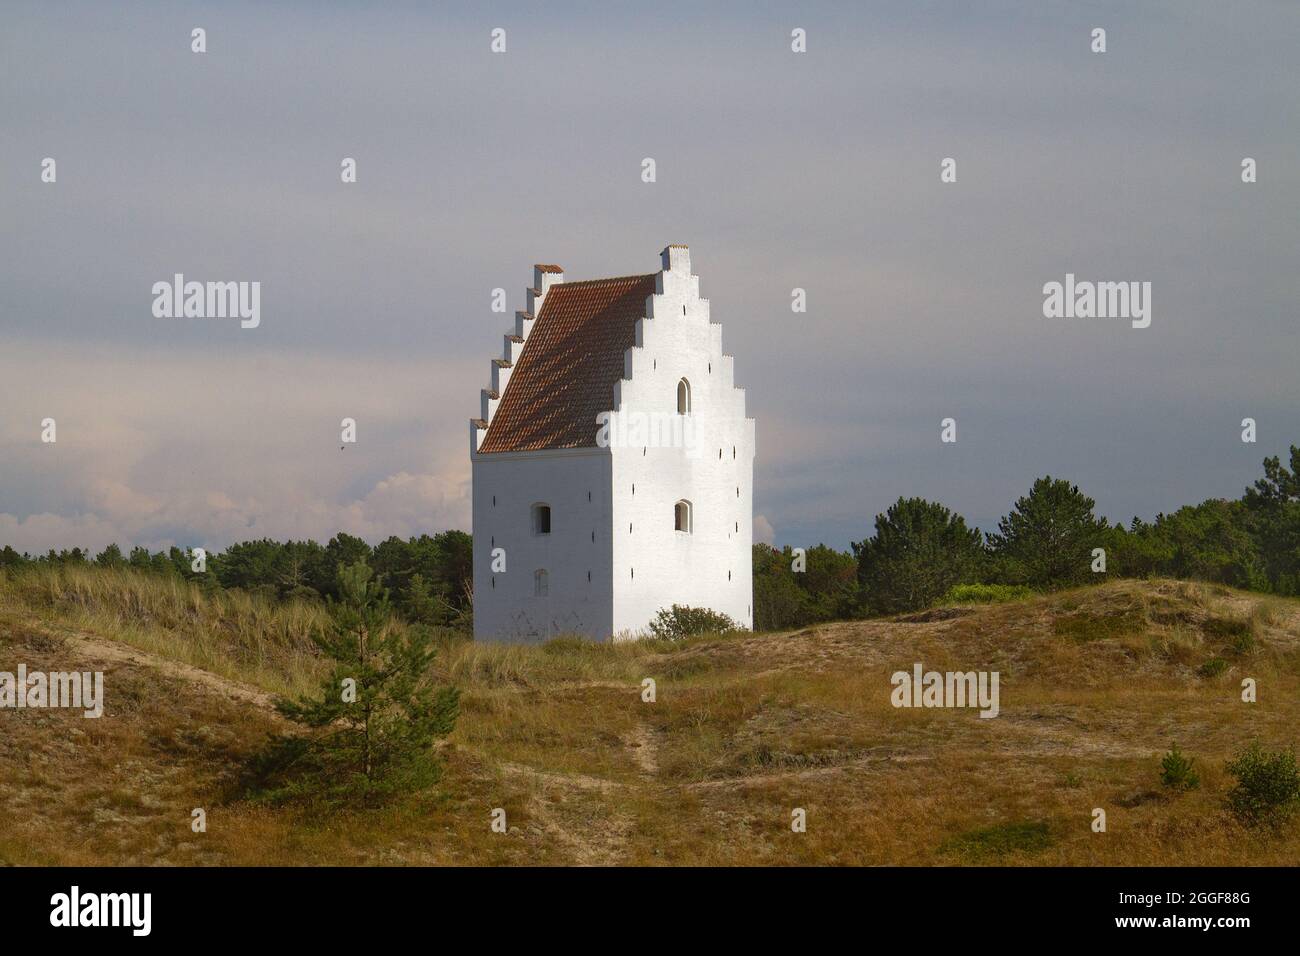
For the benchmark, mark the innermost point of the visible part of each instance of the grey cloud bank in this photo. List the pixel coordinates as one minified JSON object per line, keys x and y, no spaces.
{"x":818,"y":170}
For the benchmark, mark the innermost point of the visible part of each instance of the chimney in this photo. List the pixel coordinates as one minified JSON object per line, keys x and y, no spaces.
{"x":676,"y":258}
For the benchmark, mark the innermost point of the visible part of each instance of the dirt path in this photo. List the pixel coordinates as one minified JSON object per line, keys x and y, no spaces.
{"x":543,"y":777}
{"x":644,"y":748}
{"x":587,"y":840}
{"x":97,"y":648}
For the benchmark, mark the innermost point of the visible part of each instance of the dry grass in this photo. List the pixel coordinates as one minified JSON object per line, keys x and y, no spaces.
{"x":243,"y":637}
{"x":1095,"y":684}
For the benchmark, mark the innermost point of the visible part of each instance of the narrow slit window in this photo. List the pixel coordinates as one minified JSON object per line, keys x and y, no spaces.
{"x":683,"y":397}
{"x":541,"y":583}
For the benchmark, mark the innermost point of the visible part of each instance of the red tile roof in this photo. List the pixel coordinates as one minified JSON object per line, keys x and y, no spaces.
{"x":566,"y":372}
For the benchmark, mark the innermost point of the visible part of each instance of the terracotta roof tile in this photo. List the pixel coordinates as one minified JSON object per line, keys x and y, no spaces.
{"x":548,"y":268}
{"x":566,"y":372}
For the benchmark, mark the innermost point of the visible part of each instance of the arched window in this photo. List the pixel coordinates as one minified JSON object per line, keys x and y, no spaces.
{"x":683,"y":397}
{"x":541,"y":518}
{"x":682,"y":516}
{"x":541,"y":583}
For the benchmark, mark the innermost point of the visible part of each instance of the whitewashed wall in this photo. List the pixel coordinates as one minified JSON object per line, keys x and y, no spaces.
{"x":576,"y":484}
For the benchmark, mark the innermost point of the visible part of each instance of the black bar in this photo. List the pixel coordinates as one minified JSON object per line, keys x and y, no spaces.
{"x":334,"y":905}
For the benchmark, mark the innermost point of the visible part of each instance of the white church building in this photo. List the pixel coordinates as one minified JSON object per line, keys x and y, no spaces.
{"x":612,"y":462}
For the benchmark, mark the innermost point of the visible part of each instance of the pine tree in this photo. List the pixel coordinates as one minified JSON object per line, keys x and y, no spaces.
{"x":374,"y":720}
{"x":919,"y":551}
{"x":1047,"y":540}
{"x":1273,"y":505}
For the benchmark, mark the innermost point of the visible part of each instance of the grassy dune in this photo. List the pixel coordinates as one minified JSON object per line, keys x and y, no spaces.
{"x":1095,"y":684}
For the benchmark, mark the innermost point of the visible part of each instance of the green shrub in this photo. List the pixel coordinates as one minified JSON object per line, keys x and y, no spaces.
{"x":1176,"y":771}
{"x":1084,"y":627}
{"x":1213,"y":667}
{"x":1238,"y":632}
{"x":1026,"y":836}
{"x":1268,"y":786}
{"x":1227,"y":626}
{"x":677,"y":622}
{"x":986,"y":593}
{"x":1242,"y":643}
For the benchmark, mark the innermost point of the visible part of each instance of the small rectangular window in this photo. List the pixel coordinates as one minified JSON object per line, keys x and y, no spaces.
{"x":541,"y":519}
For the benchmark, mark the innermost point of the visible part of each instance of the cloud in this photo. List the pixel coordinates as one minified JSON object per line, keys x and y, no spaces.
{"x":763,"y":532}
{"x":37,"y":533}
{"x":145,"y":456}
{"x":403,"y":504}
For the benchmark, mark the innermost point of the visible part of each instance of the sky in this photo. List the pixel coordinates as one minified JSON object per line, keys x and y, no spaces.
{"x":817,"y":170}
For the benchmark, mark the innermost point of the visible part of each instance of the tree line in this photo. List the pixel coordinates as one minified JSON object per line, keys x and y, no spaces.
{"x":429,"y":578}
{"x":921,"y":550}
